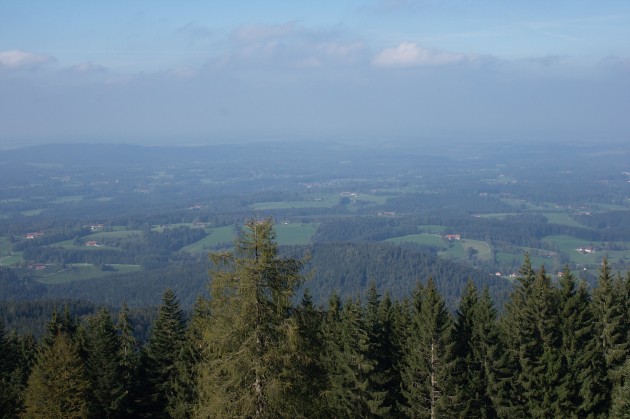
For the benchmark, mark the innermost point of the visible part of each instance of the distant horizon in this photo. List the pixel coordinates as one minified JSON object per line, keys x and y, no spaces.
{"x":207,"y":72}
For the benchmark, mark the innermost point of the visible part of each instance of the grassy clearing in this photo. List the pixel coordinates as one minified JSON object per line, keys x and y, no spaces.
{"x":432,"y":229}
{"x":32,"y":213}
{"x":459,"y":249}
{"x":216,"y":236}
{"x":11,"y":260}
{"x":295,"y":234}
{"x":80,"y":272}
{"x":609,"y":207}
{"x":569,"y":245}
{"x":323,"y":201}
{"x":561,"y":218}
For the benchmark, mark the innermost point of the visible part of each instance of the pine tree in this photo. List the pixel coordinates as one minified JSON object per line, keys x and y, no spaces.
{"x":103,"y":366}
{"x":57,"y":386}
{"x":165,"y":343}
{"x":428,"y":374}
{"x":249,"y":343}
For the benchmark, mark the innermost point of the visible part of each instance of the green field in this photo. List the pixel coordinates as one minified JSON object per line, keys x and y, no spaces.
{"x":98,"y":237}
{"x":217,"y":235}
{"x":459,"y":249}
{"x":431,"y":228}
{"x":569,"y":245}
{"x":323,"y":201}
{"x":292,"y":234}
{"x":32,"y":213}
{"x":562,"y":218}
{"x":424,"y":239}
{"x":79,"y":272}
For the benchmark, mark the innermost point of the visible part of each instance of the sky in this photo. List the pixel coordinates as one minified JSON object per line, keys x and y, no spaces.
{"x":201,"y":72}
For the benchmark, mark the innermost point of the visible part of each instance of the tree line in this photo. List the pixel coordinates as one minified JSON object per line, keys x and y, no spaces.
{"x":557,"y":350}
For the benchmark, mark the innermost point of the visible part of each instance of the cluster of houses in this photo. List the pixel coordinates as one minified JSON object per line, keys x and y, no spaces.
{"x":586,"y":250}
{"x":94,"y":227}
{"x":450,"y":237}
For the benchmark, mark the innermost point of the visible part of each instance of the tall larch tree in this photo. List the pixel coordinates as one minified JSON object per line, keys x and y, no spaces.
{"x":57,"y":386}
{"x":250,"y":339}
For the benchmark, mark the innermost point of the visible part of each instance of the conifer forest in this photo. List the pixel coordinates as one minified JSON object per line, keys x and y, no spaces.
{"x":252,"y":350}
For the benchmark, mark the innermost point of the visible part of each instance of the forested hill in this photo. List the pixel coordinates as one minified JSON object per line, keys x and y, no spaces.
{"x":346,"y":268}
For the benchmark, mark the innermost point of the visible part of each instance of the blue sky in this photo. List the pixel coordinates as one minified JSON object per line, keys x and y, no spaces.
{"x":191,"y":72}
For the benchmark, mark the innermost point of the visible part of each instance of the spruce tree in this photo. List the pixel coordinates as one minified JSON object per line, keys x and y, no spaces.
{"x":584,"y":385}
{"x":611,"y":326}
{"x":129,"y":363}
{"x":249,"y":342}
{"x":429,"y":365}
{"x":183,"y":402}
{"x":487,"y":351}
{"x":103,"y":366}
{"x":162,"y":351}
{"x":310,"y":374}
{"x":475,"y":343}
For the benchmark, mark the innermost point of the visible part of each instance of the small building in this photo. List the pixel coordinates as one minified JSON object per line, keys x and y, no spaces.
{"x":92,"y":244}
{"x":31,"y":236}
{"x":452,"y":237}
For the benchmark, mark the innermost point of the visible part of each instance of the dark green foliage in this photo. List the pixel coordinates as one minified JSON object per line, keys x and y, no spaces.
{"x":104,"y":366}
{"x":349,"y":365}
{"x":611,"y":321}
{"x":476,"y":350}
{"x":310,"y":377}
{"x":583,"y":389}
{"x":428,"y":374}
{"x":129,"y":362}
{"x":162,"y":352}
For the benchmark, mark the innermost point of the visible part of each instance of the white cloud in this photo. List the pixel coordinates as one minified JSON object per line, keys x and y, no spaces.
{"x":20,"y":59}
{"x":409,"y":54}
